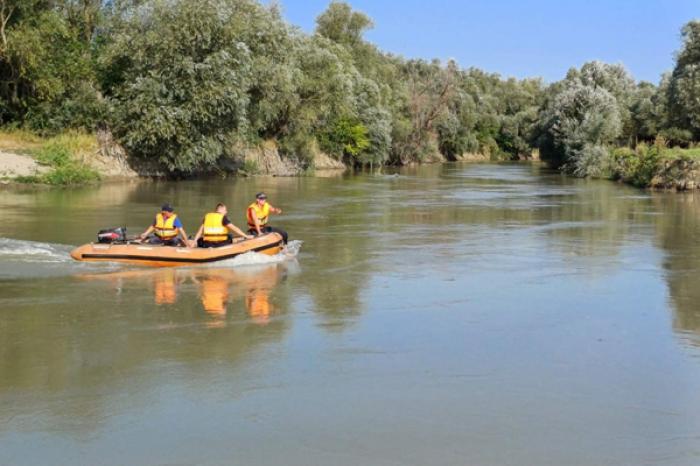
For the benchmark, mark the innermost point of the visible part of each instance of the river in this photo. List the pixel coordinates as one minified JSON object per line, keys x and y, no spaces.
{"x":445,"y":315}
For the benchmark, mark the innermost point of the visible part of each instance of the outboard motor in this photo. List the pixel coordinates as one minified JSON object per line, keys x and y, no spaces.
{"x":112,"y":235}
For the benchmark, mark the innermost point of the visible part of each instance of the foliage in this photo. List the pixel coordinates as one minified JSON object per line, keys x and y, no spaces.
{"x":346,"y":138}
{"x":46,"y":73}
{"x":183,"y":84}
{"x":62,"y":154}
{"x":178,"y":75}
{"x":636,"y":166}
{"x":684,"y":85}
{"x":576,"y":124}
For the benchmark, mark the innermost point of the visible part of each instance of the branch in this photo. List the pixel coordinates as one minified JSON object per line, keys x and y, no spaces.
{"x":3,"y":23}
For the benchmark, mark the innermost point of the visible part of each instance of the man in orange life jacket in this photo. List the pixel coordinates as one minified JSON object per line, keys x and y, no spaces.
{"x":258,"y":213}
{"x":166,"y":228}
{"x":215,"y":228}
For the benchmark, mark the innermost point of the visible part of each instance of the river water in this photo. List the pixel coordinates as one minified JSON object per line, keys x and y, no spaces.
{"x":453,"y":314}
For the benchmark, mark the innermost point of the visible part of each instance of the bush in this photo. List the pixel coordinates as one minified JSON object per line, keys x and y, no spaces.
{"x":53,"y":154}
{"x":637,"y":166}
{"x":71,"y":174}
{"x":591,"y":161}
{"x":346,"y":138}
{"x":60,"y":153}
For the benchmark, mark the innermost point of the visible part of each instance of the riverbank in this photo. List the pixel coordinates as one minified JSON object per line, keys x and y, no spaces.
{"x":75,"y":158}
{"x":656,"y":167}
{"x":70,"y":158}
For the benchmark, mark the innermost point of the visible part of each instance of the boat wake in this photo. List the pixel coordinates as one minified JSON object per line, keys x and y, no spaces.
{"x":24,"y":259}
{"x":33,"y":251}
{"x":290,"y":252}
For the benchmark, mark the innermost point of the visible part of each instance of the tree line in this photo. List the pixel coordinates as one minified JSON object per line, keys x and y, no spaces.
{"x":184,"y":84}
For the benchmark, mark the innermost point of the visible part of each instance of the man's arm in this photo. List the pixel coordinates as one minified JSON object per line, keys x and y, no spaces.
{"x":275,"y":210}
{"x":199,"y":233}
{"x":148,"y":231}
{"x":182,"y":232}
{"x":238,"y":231}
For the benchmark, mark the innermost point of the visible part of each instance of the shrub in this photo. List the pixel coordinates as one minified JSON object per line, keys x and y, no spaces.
{"x":346,"y":137}
{"x":636,"y":166}
{"x":59,"y":153}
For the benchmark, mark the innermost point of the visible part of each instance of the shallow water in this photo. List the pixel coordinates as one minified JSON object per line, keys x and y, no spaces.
{"x":455,"y":314}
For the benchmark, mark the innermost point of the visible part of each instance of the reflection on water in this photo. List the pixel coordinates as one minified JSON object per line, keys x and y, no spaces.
{"x":678,"y":234}
{"x":218,"y":288}
{"x":81,"y":342}
{"x":444,"y":314}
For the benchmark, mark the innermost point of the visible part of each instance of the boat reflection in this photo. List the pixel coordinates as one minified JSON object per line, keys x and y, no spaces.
{"x":219,"y":289}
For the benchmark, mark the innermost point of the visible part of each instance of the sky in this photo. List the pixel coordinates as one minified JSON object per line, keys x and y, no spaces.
{"x":523,"y":38}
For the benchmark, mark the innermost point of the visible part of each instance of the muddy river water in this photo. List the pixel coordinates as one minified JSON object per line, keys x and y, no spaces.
{"x":441,"y":315}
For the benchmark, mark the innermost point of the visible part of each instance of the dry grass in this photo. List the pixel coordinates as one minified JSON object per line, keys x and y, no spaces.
{"x":25,"y":142}
{"x":19,"y":140}
{"x":66,"y":154}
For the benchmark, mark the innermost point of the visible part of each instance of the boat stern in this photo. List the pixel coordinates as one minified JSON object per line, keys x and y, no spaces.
{"x":77,"y":253}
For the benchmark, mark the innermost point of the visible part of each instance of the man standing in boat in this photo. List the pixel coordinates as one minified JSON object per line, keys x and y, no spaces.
{"x":214,"y":231}
{"x":167,"y":229}
{"x":258,"y":214}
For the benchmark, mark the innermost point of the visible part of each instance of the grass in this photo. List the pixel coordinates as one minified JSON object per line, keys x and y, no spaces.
{"x":65,"y":154}
{"x":19,"y":140}
{"x":678,"y":153}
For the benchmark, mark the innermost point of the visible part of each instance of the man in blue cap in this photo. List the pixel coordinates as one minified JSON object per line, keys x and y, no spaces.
{"x":167,"y":229}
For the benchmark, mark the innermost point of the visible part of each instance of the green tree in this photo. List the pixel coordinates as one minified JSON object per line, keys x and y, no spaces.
{"x":578,"y":122}
{"x":178,"y":77}
{"x":684,"y":85}
{"x":341,"y":24}
{"x":47,"y":79}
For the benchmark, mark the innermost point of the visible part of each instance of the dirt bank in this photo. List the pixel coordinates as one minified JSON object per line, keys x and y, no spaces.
{"x":14,"y":165}
{"x":678,"y":175}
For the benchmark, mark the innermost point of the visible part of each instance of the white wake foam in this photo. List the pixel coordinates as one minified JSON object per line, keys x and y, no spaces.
{"x":34,"y":251}
{"x":289,"y":252}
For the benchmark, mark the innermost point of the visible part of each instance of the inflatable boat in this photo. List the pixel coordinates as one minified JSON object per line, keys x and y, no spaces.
{"x":168,"y":256}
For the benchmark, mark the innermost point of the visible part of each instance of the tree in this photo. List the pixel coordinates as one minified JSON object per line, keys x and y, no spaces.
{"x":341,"y":24}
{"x":684,"y":85}
{"x":178,"y":80}
{"x":46,"y":76}
{"x":429,"y":89}
{"x":578,"y":122}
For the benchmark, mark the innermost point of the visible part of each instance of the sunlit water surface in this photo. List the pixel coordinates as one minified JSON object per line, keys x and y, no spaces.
{"x":454,"y":314}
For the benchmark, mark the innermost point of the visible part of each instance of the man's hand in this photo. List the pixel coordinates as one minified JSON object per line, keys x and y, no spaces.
{"x":248,"y":236}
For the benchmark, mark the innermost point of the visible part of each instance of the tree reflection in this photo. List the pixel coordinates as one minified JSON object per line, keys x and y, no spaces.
{"x":678,"y":232}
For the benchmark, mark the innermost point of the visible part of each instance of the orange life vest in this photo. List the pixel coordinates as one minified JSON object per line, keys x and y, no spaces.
{"x":165,"y":227}
{"x":214,"y":230}
{"x":262,"y":214}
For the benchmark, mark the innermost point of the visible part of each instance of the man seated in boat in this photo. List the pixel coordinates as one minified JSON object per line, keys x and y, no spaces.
{"x":215,"y":229}
{"x":167,"y":229}
{"x":258,"y":214}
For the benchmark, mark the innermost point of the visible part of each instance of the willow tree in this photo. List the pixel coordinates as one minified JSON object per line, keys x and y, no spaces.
{"x":177,"y":75}
{"x":579,"y":122}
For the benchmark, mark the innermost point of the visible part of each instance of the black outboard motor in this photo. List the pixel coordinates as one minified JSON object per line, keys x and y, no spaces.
{"x":112,"y":235}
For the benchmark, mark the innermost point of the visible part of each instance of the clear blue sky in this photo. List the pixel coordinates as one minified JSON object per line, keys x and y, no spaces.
{"x":523,"y":38}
